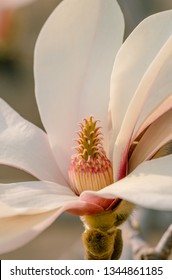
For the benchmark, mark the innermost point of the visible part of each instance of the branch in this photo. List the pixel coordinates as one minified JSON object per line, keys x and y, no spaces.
{"x":142,"y":250}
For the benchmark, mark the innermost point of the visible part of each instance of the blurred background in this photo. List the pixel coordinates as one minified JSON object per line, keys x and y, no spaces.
{"x":62,"y":239}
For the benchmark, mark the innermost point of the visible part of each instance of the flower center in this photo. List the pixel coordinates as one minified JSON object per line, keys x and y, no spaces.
{"x":90,"y":169}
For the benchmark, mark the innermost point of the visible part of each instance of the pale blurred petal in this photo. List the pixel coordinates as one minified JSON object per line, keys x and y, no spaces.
{"x":154,"y":88}
{"x":133,"y":59}
{"x":25,"y":146}
{"x":74,"y":57}
{"x":5,"y":26}
{"x":149,"y":185}
{"x":33,"y":198}
{"x":156,"y":136}
{"x":12,"y":4}
{"x":19,"y":230}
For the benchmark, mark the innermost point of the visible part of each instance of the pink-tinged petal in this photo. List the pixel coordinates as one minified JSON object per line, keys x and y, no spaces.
{"x":25,"y":198}
{"x":156,"y":136}
{"x":19,"y":230}
{"x":81,"y":208}
{"x":149,"y":185}
{"x":101,"y":201}
{"x":154,"y":88}
{"x":132,"y":61}
{"x":12,"y":4}
{"x":143,"y":124}
{"x":74,"y":57}
{"x":25,"y":146}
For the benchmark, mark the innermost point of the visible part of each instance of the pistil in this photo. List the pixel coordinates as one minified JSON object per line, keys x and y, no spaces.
{"x":90,"y":169}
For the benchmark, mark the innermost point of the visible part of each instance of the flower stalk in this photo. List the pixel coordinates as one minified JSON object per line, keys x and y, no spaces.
{"x":102,"y":239}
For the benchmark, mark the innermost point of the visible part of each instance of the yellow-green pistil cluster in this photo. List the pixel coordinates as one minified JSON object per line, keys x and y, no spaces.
{"x":90,"y":169}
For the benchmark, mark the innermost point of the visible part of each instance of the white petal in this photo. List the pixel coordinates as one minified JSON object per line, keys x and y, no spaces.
{"x":158,"y":84}
{"x":25,"y":146}
{"x":133,"y":59}
{"x":11,"y":4}
{"x":156,"y":136}
{"x":154,"y":88}
{"x":74,"y":57}
{"x":19,"y":230}
{"x":149,"y":185}
{"x":33,"y":198}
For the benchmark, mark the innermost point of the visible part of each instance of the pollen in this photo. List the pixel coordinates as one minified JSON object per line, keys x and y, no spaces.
{"x":90,"y":169}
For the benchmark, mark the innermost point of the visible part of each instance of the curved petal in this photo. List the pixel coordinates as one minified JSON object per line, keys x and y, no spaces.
{"x":25,"y":198}
{"x":25,"y":146}
{"x":159,"y":111}
{"x":156,"y":136}
{"x":82,"y":208}
{"x":154,"y":88}
{"x":132,"y":61}
{"x":164,"y":151}
{"x":29,"y":198}
{"x":74,"y":57}
{"x":19,"y":230}
{"x":159,"y":89}
{"x":103,"y":202}
{"x":149,"y":185}
{"x":11,"y":4}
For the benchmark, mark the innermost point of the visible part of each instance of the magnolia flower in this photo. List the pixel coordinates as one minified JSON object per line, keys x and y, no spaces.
{"x":13,"y":4}
{"x":73,"y":62}
{"x":7,"y":8}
